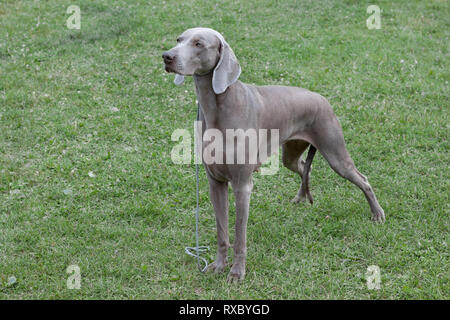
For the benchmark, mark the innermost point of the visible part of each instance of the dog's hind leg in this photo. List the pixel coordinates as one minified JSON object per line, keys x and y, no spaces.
{"x":331,"y":145}
{"x":304,"y":189}
{"x":291,"y":155}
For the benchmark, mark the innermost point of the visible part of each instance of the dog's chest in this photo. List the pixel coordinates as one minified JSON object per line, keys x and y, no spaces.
{"x":219,"y":165}
{"x":219,"y":172}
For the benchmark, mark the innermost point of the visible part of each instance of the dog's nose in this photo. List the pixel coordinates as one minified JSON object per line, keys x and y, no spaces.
{"x":168,"y":57}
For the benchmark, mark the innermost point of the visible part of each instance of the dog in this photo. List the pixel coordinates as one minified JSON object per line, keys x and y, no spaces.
{"x":303,"y":119}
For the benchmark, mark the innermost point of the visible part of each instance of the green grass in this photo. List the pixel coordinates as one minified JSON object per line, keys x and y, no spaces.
{"x":98,"y":100}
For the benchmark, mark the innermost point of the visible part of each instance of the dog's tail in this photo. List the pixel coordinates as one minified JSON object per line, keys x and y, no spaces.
{"x":306,"y":170}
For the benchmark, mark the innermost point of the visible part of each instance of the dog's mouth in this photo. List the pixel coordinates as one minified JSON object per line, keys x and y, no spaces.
{"x":168,"y":68}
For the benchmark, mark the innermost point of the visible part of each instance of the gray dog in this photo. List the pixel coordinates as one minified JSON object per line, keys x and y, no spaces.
{"x":303,"y":118}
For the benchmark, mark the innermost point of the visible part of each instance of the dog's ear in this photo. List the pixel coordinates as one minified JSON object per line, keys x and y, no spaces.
{"x":227,"y":70}
{"x":179,"y":79}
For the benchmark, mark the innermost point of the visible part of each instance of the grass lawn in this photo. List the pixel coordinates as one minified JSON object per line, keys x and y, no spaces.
{"x":86,"y":178}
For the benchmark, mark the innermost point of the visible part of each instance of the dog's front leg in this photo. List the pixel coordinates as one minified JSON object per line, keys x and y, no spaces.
{"x":218,"y":192}
{"x":242,"y":191}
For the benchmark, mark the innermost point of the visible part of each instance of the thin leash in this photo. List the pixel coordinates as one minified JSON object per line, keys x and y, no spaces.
{"x":197,"y":250}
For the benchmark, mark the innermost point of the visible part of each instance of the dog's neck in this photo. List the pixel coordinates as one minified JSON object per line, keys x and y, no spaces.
{"x":207,"y":98}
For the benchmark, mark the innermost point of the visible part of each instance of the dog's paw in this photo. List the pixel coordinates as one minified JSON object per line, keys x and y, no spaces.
{"x":237,"y":274}
{"x":298,"y":199}
{"x":217,"y":266}
{"x":378,"y":216}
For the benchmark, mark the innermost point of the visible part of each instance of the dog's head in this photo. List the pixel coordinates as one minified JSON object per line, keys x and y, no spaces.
{"x":200,"y":51}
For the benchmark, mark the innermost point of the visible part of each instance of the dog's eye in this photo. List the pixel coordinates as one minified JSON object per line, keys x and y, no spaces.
{"x":178,"y":40}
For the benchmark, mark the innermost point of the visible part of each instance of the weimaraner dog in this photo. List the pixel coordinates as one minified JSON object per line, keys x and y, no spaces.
{"x":303,"y":118}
